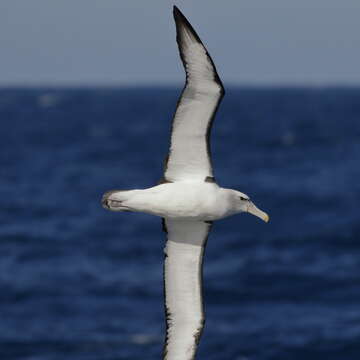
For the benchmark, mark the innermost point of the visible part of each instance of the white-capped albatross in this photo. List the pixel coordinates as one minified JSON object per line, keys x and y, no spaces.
{"x":187,"y":198}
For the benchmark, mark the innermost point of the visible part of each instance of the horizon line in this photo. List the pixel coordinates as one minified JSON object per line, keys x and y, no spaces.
{"x":174,"y":85}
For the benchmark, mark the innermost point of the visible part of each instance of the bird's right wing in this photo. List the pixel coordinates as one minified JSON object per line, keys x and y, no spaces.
{"x":185,"y":318}
{"x":189,"y":154}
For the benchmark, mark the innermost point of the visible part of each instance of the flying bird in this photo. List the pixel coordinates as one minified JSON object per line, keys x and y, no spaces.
{"x":188,"y":199}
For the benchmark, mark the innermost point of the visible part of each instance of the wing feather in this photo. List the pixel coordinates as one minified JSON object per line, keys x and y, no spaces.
{"x":185,"y":317}
{"x":189,"y":155}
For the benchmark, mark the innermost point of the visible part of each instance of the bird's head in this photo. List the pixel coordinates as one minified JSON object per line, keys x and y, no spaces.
{"x":242,"y":203}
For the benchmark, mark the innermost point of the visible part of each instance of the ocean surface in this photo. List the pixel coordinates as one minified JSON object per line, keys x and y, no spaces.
{"x":81,"y":283}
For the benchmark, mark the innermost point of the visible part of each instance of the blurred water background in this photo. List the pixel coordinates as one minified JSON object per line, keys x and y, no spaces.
{"x":80,"y":283}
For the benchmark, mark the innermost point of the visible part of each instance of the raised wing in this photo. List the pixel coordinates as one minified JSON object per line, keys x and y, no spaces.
{"x":184,"y":252}
{"x":189,"y":155}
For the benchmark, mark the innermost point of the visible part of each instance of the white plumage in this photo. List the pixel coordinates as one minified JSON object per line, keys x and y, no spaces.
{"x":188,"y":198}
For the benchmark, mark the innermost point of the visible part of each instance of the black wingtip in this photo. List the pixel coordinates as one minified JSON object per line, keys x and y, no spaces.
{"x":178,"y":15}
{"x":182,"y":22}
{"x":176,"y":11}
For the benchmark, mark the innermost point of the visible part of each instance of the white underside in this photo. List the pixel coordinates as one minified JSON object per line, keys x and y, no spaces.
{"x":195,"y":200}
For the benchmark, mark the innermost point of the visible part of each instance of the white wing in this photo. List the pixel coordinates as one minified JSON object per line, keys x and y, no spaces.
{"x":185,"y":318}
{"x":189,"y":155}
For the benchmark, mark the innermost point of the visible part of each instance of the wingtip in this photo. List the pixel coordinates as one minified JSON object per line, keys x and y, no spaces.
{"x":183,"y":23}
{"x":177,"y":13}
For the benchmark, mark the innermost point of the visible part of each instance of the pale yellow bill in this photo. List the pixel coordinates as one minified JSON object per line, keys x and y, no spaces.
{"x":252,"y":209}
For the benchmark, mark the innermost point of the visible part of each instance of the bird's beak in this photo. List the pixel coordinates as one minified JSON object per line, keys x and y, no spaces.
{"x":252,"y":209}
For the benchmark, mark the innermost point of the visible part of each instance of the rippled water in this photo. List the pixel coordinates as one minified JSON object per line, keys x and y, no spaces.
{"x":79,"y":283}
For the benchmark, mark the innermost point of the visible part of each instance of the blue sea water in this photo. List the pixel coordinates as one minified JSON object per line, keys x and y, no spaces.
{"x":80,"y":283}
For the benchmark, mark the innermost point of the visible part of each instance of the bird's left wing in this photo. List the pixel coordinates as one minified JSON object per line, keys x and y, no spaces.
{"x":189,"y":155}
{"x":184,"y":252}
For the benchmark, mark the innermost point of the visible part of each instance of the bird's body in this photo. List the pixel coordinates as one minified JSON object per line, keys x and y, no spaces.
{"x":188,"y":198}
{"x":192,"y":200}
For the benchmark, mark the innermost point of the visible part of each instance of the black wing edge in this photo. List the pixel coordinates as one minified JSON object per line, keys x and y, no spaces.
{"x":180,"y":20}
{"x":163,"y":226}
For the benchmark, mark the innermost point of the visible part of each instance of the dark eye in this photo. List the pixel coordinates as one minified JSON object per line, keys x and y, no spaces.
{"x":242,"y":198}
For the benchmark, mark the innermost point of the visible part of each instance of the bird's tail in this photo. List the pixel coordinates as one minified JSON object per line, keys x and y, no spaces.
{"x":114,"y":200}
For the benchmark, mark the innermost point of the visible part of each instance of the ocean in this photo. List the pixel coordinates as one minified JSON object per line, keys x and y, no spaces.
{"x":80,"y":283}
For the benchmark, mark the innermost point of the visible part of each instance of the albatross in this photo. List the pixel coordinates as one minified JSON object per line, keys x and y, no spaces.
{"x":188,"y":199}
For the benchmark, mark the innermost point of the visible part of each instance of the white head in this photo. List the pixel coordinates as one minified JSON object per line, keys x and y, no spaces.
{"x":242,"y":203}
